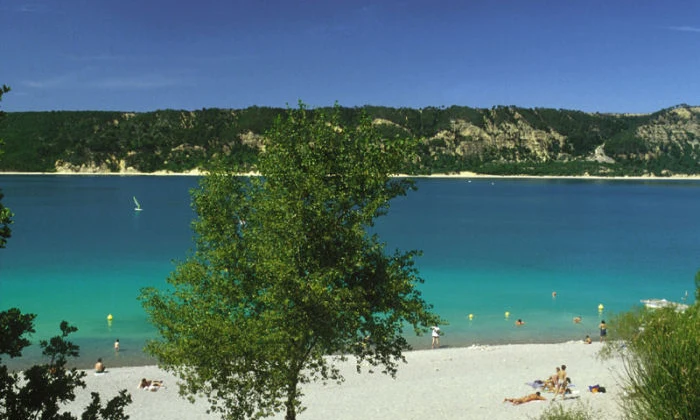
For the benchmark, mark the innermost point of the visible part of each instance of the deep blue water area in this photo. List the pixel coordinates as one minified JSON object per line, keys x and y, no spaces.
{"x":79,"y":252}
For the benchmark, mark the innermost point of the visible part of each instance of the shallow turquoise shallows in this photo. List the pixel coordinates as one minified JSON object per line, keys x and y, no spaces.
{"x":80,"y":252}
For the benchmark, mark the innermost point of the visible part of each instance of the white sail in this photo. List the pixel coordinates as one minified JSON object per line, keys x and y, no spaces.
{"x":138,"y":206}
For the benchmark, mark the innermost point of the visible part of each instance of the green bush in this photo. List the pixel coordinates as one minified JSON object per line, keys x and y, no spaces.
{"x":580,"y":411}
{"x":662,"y":366}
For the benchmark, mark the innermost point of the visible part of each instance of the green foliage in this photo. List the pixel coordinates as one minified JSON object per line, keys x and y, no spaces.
{"x":285,"y":279}
{"x":662,"y":367}
{"x":5,"y":213}
{"x":575,"y":168}
{"x":625,"y":143}
{"x":41,"y":390}
{"x":179,"y":141}
{"x":579,"y":411}
{"x":5,"y":222}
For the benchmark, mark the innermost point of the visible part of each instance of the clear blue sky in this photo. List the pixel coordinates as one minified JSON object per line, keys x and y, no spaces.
{"x":128,"y":55}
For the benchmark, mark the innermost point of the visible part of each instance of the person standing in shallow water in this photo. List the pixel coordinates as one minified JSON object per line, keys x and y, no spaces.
{"x":436,"y":336}
{"x":603,"y":330}
{"x":116,"y":346}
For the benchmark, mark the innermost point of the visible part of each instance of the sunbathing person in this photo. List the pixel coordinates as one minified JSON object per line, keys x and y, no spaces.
{"x":99,"y":366}
{"x":550,"y":384}
{"x":522,"y":400}
{"x":150,"y":385}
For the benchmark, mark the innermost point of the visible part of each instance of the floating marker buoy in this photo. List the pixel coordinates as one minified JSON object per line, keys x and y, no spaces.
{"x":109,"y":317}
{"x":471,"y":316}
{"x":507,"y":314}
{"x":600,"y":308}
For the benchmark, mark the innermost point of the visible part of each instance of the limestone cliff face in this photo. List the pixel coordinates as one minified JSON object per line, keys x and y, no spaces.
{"x":679,"y":127}
{"x":513,"y":139}
{"x":509,"y":136}
{"x":525,"y":142}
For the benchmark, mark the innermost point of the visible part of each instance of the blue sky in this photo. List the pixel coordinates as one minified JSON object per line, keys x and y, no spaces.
{"x":596,"y":56}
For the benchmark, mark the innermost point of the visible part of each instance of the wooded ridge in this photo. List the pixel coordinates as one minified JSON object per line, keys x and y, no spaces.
{"x":503,"y":140}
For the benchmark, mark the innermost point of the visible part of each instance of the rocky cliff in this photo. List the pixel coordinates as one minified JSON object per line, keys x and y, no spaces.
{"x":499,"y":140}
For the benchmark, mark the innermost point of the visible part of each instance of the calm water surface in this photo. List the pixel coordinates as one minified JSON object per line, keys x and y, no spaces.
{"x":79,"y":252}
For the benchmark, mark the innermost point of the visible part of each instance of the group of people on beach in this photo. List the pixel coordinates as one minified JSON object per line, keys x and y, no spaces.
{"x":559,"y":383}
{"x":145,"y":384}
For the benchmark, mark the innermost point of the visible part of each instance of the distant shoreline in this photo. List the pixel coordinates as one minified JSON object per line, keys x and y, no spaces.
{"x":460,"y":175}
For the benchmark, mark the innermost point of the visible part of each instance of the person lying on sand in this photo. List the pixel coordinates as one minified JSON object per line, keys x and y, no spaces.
{"x":522,"y":400}
{"x":150,"y":385}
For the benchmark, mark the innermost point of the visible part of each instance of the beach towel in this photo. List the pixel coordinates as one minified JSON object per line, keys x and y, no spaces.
{"x":572,"y":395}
{"x":535,"y":384}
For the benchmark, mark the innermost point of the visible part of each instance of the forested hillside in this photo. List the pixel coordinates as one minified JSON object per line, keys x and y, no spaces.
{"x":500,"y":140}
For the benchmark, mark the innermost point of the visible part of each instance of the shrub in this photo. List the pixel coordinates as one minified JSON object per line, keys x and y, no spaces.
{"x":580,"y":411}
{"x":662,"y":367}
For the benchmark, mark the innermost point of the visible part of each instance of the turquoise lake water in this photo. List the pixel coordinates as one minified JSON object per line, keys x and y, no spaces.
{"x":80,"y":252}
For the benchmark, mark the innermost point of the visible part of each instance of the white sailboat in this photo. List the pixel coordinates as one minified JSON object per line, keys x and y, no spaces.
{"x":138,"y":206}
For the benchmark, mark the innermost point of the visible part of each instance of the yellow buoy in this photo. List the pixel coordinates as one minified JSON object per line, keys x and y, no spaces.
{"x":471,"y":316}
{"x":600,"y":308}
{"x":507,"y":314}
{"x":109,"y":317}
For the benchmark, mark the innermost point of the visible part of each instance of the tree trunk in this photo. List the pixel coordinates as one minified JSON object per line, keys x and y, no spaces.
{"x":291,"y":398}
{"x":291,"y":413}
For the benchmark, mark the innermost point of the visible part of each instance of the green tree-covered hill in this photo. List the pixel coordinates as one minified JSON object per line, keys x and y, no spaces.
{"x":503,"y":140}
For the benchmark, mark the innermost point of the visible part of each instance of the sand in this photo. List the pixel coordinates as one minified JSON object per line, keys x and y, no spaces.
{"x":459,"y":175}
{"x":444,"y":383}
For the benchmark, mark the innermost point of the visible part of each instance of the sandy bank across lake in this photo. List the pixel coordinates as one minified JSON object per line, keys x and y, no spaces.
{"x":445,"y":383}
{"x":458,"y":175}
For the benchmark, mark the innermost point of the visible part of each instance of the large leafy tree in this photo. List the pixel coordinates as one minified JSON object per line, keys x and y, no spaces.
{"x":285,"y":273}
{"x":5,"y":213}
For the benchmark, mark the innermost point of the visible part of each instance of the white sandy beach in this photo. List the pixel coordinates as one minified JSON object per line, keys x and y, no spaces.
{"x":445,"y":383}
{"x":463,"y":174}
